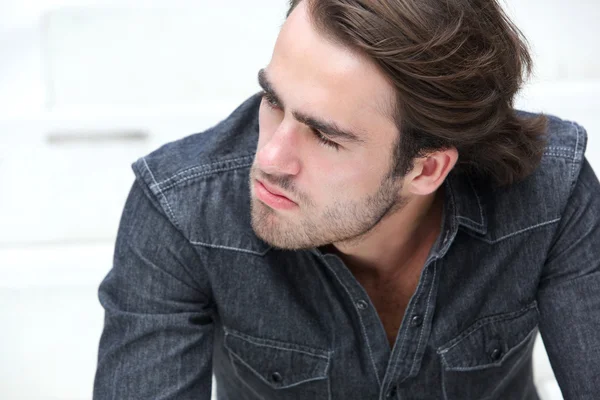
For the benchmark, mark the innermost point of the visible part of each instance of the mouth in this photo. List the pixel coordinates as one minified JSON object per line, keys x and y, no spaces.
{"x":273,"y":190}
{"x":272,"y":197}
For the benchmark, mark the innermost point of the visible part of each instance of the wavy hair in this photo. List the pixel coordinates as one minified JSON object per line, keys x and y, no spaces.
{"x":456,"y":66}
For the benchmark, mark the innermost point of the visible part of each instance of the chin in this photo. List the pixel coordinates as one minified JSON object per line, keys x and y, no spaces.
{"x":276,"y":233}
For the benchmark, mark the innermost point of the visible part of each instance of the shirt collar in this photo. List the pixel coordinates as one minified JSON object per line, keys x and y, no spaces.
{"x":465,"y":203}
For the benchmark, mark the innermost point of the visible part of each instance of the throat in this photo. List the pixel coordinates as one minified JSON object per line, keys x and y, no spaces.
{"x":391,"y":300}
{"x":391,"y":292}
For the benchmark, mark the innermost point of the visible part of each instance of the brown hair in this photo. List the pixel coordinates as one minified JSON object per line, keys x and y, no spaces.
{"x":456,"y":66}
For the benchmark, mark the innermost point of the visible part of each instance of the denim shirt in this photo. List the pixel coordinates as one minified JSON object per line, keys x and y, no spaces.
{"x":194,"y":292}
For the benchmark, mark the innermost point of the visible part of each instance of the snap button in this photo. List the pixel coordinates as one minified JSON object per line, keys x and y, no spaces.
{"x":362,"y":305}
{"x":416,"y":321}
{"x":276,"y":377}
{"x":392,"y":393}
{"x":496,"y":354}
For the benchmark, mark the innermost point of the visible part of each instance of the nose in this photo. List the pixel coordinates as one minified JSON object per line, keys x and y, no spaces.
{"x":278,"y":156}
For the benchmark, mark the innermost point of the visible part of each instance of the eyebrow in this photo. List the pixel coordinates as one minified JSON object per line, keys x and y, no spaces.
{"x":329,"y":128}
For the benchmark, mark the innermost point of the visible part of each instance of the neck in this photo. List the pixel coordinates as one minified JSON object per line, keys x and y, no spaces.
{"x":399,"y":243}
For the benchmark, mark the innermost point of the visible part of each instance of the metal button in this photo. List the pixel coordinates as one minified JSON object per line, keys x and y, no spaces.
{"x":362,"y":305}
{"x":496,"y":354}
{"x":276,"y":377}
{"x":416,"y":321}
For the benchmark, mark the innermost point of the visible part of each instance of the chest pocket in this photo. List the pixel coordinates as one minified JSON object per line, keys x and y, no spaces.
{"x":492,"y":358}
{"x":273,"y":370}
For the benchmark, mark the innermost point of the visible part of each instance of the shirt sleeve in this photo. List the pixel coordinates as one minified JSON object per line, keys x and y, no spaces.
{"x":158,"y":326}
{"x":569,"y":293}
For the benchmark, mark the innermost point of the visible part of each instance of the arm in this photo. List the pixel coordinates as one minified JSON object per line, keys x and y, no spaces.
{"x":158,"y":334}
{"x":569,"y":293}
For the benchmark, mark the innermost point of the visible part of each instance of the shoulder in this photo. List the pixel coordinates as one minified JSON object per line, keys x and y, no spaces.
{"x":566,"y":140}
{"x":563,"y":157}
{"x":539,"y":200}
{"x":227,"y":143}
{"x":201,"y":181}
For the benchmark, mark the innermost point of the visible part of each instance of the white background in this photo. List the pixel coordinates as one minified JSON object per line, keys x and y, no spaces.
{"x":87,"y":87}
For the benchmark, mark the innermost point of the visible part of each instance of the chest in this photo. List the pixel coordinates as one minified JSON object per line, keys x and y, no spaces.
{"x":391,"y":301}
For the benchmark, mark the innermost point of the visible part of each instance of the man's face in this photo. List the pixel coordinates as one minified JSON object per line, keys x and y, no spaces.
{"x":326,"y":142}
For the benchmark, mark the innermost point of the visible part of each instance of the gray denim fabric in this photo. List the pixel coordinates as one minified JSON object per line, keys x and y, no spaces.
{"x":193,"y":291}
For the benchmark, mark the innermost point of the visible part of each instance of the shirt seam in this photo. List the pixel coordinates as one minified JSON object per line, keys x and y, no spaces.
{"x":218,"y":246}
{"x":199,"y":174}
{"x":482,"y":322}
{"x":162,"y":194}
{"x":502,"y":238}
{"x":285,"y":346}
{"x":207,"y":167}
{"x":575,"y":152}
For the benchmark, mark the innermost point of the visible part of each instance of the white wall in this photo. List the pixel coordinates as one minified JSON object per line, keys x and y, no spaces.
{"x":50,"y":48}
{"x":85,"y":81}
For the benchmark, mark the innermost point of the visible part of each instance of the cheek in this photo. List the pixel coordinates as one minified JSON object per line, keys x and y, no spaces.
{"x":357,"y":179}
{"x":342,"y":182}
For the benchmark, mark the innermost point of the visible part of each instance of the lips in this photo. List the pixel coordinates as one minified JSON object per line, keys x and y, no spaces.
{"x":274,"y":191}
{"x":275,"y":199}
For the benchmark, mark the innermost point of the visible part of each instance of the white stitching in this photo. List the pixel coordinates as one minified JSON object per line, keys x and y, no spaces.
{"x":187,"y":178}
{"x":235,"y":370}
{"x":292,"y":347}
{"x":160,"y":192}
{"x":511,"y":351}
{"x":575,"y":153}
{"x":486,"y":321}
{"x":216,"y":246}
{"x":519,"y":360}
{"x":313,"y":352}
{"x":328,"y":389}
{"x":558,"y":155}
{"x":468,"y":219}
{"x":203,"y":166}
{"x":517,"y":232}
{"x":262,"y":378}
{"x":559,"y":148}
{"x":444,"y":382}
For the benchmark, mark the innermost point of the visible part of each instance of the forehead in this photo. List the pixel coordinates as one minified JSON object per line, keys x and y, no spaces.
{"x":319,"y":77}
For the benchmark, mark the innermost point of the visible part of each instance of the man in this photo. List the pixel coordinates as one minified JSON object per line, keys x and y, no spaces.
{"x":378,"y":224}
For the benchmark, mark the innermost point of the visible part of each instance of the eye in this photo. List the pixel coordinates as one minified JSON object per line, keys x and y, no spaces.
{"x":270,"y":101}
{"x":324,"y":141}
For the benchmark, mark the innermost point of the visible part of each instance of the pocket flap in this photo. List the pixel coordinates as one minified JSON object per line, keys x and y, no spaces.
{"x":490,"y":341}
{"x":279,"y":364}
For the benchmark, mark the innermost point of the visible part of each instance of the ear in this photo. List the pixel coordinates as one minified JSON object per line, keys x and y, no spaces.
{"x":429,"y":172}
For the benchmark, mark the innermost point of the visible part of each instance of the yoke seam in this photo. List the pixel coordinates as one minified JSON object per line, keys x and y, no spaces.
{"x":162,"y":194}
{"x":203,"y":166}
{"x":542,"y":224}
{"x":187,"y":178}
{"x":575,"y":152}
{"x":218,"y":246}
